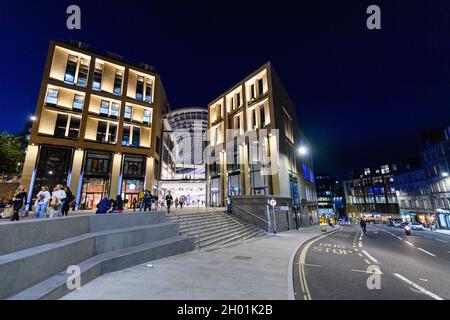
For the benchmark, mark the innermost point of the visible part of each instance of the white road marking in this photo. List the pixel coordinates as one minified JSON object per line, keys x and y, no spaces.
{"x":425,"y":251}
{"x":441,"y":240}
{"x":409,"y":243}
{"x":360,"y":244}
{"x":425,"y":280}
{"x":399,"y":238}
{"x":421,"y":289}
{"x":370,"y":257}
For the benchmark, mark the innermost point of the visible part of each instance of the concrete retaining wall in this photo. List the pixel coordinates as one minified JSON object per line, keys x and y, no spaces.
{"x":31,"y":233}
{"x":258,"y":205}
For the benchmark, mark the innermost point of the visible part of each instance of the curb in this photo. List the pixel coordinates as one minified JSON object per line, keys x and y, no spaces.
{"x":290,"y":280}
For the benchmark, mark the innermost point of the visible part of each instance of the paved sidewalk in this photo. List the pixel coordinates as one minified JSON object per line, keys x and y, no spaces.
{"x":257,"y":269}
{"x":443,"y":231}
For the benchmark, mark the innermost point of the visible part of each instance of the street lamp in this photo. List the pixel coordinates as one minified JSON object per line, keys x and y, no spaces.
{"x":303,"y":151}
{"x":445,"y":174}
{"x":33,"y":118}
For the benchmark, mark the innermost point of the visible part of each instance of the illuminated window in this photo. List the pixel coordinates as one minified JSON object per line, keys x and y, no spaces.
{"x":126,"y":136}
{"x":98,"y":74}
{"x":140,"y":88}
{"x":128,"y":113}
{"x":136,"y":137}
{"x":104,"y":108}
{"x":148,"y":91}
{"x":118,"y":83}
{"x":83,"y":73}
{"x":114,"y":110}
{"x":52,"y":97}
{"x":71,"y":68}
{"x":78,"y":102}
{"x":147,"y":117}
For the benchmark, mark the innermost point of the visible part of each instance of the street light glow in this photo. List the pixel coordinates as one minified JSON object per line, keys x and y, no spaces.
{"x":445,"y":174}
{"x":33,"y":118}
{"x":302,"y":151}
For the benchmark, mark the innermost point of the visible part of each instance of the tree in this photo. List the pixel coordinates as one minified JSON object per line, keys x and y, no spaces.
{"x":11,"y":155}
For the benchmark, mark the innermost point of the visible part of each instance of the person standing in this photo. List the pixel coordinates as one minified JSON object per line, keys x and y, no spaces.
{"x":19,"y":200}
{"x":182,"y":200}
{"x":169,"y":200}
{"x":69,"y":198}
{"x":134,"y":204}
{"x":176,"y":202}
{"x":58,"y":197}
{"x":118,"y":204}
{"x":42,"y":199}
{"x":147,"y":201}
{"x":103,"y":205}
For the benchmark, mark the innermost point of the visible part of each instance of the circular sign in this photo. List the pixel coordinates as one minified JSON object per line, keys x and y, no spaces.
{"x":273,"y":202}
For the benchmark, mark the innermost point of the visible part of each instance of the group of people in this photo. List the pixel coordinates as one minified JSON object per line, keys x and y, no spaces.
{"x":58,"y":201}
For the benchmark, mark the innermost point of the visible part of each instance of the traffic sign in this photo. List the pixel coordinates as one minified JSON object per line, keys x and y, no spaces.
{"x":273,"y":202}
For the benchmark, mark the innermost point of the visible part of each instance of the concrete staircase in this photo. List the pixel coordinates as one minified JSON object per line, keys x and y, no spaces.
{"x":35,"y":255}
{"x":214,"y":228}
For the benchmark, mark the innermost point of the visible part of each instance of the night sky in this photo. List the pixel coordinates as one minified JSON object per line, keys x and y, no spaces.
{"x":362,"y":96}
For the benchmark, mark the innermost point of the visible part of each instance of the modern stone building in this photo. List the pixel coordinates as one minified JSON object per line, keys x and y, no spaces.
{"x":261,"y":123}
{"x":97,"y":127}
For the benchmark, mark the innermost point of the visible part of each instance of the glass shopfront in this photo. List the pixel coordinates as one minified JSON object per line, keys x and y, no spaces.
{"x":53,"y":167}
{"x":133,"y":178}
{"x":96,"y":179}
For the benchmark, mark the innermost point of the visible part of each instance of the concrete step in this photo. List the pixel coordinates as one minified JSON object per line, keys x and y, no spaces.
{"x":206,"y":226}
{"x":219,"y":237}
{"x":25,"y":268}
{"x":55,"y":287}
{"x":196,"y":218}
{"x":217,"y":229}
{"x":204,"y":229}
{"x":205,"y":223}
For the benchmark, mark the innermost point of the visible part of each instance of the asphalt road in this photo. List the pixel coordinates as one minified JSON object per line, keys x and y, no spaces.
{"x":382,"y":264}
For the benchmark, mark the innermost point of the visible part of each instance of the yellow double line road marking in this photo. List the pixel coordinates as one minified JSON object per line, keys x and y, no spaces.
{"x":302,"y":263}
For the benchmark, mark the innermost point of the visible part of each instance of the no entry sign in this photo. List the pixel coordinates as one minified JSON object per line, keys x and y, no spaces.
{"x":273,"y":202}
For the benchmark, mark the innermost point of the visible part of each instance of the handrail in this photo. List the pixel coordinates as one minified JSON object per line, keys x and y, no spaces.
{"x":199,"y":234}
{"x":253,"y":216}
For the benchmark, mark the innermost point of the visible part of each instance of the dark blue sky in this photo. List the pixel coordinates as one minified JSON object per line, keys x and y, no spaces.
{"x":362,"y":96}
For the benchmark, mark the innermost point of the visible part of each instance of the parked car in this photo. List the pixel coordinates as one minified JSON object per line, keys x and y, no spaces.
{"x":417,"y":226}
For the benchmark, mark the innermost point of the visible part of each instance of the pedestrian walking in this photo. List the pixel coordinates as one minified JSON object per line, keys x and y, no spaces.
{"x":134,"y":204}
{"x":182,"y":201}
{"x":67,"y":201}
{"x":169,"y":200}
{"x":42,"y":199}
{"x":19,"y":200}
{"x":176,"y":202}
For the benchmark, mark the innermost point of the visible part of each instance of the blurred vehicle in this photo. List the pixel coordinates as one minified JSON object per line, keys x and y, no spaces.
{"x":397,"y":224}
{"x":408,"y":229}
{"x":417,"y":226}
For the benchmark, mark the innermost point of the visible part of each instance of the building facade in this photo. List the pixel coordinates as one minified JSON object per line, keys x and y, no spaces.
{"x":97,"y":127}
{"x":325,"y":185}
{"x":371,"y":192}
{"x":435,"y":158}
{"x":413,"y":195}
{"x":251,"y":122}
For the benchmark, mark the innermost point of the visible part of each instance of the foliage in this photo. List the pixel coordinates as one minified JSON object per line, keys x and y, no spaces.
{"x":11,"y":154}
